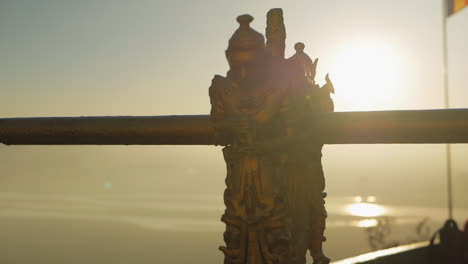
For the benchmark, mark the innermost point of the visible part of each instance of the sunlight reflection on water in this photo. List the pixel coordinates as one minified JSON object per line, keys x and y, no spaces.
{"x":365,"y":209}
{"x":367,"y":223}
{"x":178,"y":212}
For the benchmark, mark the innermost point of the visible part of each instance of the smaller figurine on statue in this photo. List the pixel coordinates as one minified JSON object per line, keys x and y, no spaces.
{"x":303,"y":61}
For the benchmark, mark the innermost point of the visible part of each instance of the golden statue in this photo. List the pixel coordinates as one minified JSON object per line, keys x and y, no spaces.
{"x":275,"y":185}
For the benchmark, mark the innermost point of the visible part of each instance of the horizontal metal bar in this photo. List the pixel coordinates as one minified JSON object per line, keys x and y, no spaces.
{"x":107,"y":130}
{"x":388,"y":127}
{"x":407,"y":126}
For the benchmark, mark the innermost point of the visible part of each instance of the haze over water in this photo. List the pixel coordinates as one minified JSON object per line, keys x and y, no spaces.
{"x":111,"y":227}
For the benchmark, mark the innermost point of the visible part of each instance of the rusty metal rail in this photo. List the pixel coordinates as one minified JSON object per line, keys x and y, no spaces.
{"x":408,"y":126}
{"x":107,"y":130}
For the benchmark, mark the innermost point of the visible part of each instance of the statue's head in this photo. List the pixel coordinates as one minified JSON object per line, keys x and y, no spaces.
{"x":246,"y":49}
{"x":299,"y":47}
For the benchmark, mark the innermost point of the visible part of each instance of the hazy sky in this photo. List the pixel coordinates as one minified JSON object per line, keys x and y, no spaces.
{"x":74,"y":58}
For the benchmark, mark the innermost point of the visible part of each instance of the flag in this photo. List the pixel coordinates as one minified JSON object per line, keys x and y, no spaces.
{"x":454,"y":6}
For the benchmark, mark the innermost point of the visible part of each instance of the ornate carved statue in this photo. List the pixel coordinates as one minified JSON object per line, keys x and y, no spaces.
{"x":274,"y":197}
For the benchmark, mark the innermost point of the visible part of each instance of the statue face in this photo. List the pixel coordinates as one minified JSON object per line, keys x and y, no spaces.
{"x":243,"y":63}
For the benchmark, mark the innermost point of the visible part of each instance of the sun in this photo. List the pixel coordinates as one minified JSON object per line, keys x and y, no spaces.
{"x":368,"y":75}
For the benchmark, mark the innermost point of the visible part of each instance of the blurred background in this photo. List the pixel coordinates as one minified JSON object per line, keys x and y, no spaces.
{"x":162,"y":204}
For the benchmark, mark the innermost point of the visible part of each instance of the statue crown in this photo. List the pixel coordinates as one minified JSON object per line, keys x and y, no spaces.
{"x":246,"y":38}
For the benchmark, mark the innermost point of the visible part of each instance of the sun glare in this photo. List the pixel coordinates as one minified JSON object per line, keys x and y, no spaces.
{"x":367,"y":223}
{"x":365,"y":209}
{"x":367,"y":75}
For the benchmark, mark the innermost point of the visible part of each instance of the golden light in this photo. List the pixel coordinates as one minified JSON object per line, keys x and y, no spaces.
{"x":365,"y":209}
{"x":357,"y":199}
{"x":371,"y":199}
{"x":367,"y":223}
{"x":368,"y":74}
